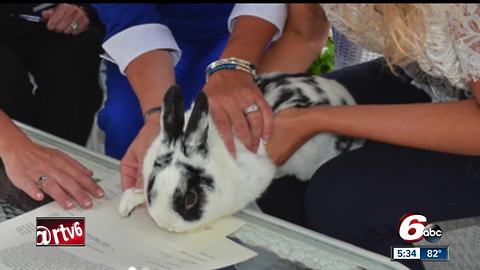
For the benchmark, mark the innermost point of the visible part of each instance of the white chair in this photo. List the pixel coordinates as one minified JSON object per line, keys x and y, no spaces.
{"x":348,"y":53}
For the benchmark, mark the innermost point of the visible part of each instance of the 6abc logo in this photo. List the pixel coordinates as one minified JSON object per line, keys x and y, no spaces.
{"x":413,"y":227}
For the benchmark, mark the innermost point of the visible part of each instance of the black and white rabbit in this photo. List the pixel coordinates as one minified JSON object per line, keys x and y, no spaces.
{"x":192,"y":180}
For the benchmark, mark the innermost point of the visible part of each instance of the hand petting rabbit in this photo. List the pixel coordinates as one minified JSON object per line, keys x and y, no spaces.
{"x":192,"y":180}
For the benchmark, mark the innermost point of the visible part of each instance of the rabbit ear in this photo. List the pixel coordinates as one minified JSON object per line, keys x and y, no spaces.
{"x":196,"y":133}
{"x":172,"y":116}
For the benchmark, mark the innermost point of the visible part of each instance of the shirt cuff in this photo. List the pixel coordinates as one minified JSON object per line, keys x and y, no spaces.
{"x":130,"y":43}
{"x":274,"y":13}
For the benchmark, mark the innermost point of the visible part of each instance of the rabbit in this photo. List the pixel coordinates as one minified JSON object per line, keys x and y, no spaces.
{"x":190,"y":178}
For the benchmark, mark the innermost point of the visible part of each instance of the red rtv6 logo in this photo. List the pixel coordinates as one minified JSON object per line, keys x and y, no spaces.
{"x":413,"y":227}
{"x":60,"y":231}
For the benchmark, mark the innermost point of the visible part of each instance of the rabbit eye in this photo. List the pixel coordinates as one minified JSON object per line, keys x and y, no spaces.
{"x":191,"y":199}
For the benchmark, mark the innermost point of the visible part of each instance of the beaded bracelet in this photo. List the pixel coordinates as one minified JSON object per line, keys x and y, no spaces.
{"x":230,"y":63}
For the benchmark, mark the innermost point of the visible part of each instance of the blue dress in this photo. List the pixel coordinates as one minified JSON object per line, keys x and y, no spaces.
{"x":200,"y":31}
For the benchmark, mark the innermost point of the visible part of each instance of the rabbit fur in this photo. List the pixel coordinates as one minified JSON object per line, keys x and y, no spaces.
{"x":190,"y":178}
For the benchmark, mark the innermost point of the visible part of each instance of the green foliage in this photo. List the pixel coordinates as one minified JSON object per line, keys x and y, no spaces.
{"x":326,"y":61}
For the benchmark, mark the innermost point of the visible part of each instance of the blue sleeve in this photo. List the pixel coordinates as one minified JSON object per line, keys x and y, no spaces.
{"x":118,"y":17}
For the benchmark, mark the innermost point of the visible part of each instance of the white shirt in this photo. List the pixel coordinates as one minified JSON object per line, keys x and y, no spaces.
{"x":125,"y":46}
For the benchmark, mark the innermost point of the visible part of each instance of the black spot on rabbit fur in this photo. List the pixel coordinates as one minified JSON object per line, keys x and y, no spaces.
{"x":173,"y":115}
{"x":160,"y":163}
{"x":196,"y":133}
{"x":277,"y":79}
{"x":301,"y":100}
{"x":344,"y":144}
{"x":284,"y":97}
{"x":198,"y":181}
{"x":151,"y":194}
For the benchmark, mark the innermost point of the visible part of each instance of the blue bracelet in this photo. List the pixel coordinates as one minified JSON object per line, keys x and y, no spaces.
{"x":230,"y":63}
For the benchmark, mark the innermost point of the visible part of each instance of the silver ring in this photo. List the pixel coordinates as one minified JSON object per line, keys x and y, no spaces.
{"x":251,"y":108}
{"x":41,"y":180}
{"x":74,"y":25}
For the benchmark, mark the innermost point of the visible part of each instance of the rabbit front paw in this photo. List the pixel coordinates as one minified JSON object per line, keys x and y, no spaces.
{"x":131,"y":198}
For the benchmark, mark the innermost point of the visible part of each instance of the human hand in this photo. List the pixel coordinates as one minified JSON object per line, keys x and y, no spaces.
{"x":67,"y":19}
{"x":26,"y":162}
{"x":229,"y":93}
{"x":290,"y":131}
{"x":131,"y":164}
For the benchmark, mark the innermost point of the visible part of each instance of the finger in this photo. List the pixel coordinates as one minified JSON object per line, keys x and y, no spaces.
{"x":83,"y":22}
{"x":30,"y":187}
{"x":128,"y":171}
{"x":139,"y":178}
{"x":75,"y":164}
{"x":224,"y":126}
{"x":255,"y":121}
{"x":267,"y":117}
{"x":74,"y":19}
{"x":56,"y":17}
{"x":47,"y":14}
{"x":139,"y":183}
{"x":69,"y":184}
{"x":86,"y":183}
{"x":51,"y":187}
{"x":239,"y":122}
{"x":65,"y":24}
{"x":69,"y":29}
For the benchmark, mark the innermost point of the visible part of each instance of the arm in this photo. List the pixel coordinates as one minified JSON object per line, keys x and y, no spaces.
{"x":446,"y":127}
{"x":150,"y":75}
{"x":149,"y":67}
{"x":10,"y":134}
{"x":304,"y":36}
{"x":230,"y":92}
{"x":127,"y":24}
{"x":26,"y":161}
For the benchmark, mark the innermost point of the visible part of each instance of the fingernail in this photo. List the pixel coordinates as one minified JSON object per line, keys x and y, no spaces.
{"x":39,"y":195}
{"x":138,"y":190}
{"x":100,"y":192}
{"x":69,"y":204}
{"x":87,"y":203}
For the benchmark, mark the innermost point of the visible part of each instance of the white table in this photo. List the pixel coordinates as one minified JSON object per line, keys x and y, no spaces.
{"x":280,"y":245}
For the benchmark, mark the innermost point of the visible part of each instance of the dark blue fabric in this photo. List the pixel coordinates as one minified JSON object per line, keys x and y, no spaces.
{"x":360,"y":196}
{"x":200,"y":31}
{"x":188,"y":21}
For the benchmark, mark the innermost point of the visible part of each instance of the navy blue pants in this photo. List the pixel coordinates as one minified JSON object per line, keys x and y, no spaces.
{"x":360,"y":196}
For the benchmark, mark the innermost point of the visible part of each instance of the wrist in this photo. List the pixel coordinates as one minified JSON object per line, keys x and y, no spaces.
{"x":13,"y":144}
{"x":232,"y":64}
{"x":151,"y":112}
{"x":231,"y":74}
{"x":316,"y":120}
{"x":154,"y":119}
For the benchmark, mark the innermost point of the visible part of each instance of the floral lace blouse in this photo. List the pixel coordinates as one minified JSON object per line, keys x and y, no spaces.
{"x":452,"y":53}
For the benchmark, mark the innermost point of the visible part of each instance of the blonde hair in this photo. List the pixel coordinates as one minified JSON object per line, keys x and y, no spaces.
{"x":402,"y":26}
